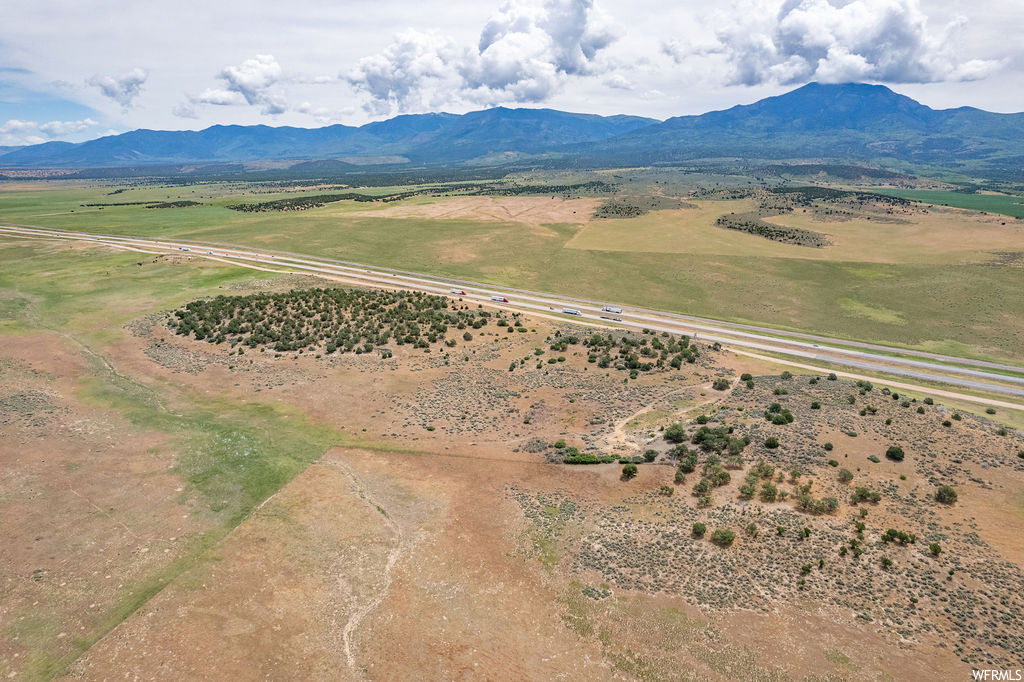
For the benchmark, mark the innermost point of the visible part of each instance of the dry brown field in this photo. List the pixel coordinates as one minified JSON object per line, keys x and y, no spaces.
{"x":435,"y":535}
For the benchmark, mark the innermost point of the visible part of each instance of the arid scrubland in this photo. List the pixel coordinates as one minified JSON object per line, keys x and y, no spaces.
{"x":412,"y":509}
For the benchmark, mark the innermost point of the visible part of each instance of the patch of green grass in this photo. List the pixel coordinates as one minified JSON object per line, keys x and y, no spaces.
{"x":47,"y":660}
{"x":578,"y":607}
{"x":1009,"y":205}
{"x":35,"y":632}
{"x":651,"y":642}
{"x":548,"y":552}
{"x":877,"y":314}
{"x":836,"y":657}
{"x":232,"y":455}
{"x":92,"y":292}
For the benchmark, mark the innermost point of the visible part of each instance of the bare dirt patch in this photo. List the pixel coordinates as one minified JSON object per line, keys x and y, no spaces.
{"x":277,"y":595}
{"x":90,"y":504}
{"x":527,"y":210}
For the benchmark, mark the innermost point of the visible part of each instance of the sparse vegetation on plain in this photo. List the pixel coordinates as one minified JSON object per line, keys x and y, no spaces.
{"x":210,"y":399}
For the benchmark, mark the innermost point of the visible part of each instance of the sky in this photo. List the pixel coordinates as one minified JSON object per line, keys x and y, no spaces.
{"x":79,"y":69}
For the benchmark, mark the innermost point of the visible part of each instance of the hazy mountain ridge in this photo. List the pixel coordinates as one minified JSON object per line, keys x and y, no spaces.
{"x":440,"y":137}
{"x":847,"y":121}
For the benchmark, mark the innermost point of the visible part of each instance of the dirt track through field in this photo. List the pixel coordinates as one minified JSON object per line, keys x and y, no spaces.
{"x":356,"y":618}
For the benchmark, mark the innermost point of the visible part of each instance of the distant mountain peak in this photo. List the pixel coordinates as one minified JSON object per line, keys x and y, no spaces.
{"x":828,"y":120}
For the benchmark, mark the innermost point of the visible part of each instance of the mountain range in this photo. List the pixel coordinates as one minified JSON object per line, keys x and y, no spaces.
{"x":851,"y":121}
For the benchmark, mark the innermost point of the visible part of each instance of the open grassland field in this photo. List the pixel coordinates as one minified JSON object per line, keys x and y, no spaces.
{"x":990,"y":202}
{"x":189,"y":492}
{"x":935,"y":236}
{"x":913,"y":275}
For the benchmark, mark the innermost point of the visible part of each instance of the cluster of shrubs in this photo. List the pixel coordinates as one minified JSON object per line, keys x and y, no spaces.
{"x":723,"y":537}
{"x":575,"y":189}
{"x":719,"y":439}
{"x":769,"y":492}
{"x":174,"y":204}
{"x":752,"y":224}
{"x":895,"y":453}
{"x":686,"y":462}
{"x":845,"y":172}
{"x":804,"y":196}
{"x":864,"y":494}
{"x":806,"y":502}
{"x":300,"y":203}
{"x":631,"y":353}
{"x":945,"y":494}
{"x":777,"y":414}
{"x":344,"y":320}
{"x":573,"y":455}
{"x":632,"y":207}
{"x":305,"y":202}
{"x":150,"y":204}
{"x":618,"y":208}
{"x":902,"y":537}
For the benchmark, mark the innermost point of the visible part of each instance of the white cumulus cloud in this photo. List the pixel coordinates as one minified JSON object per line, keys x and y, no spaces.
{"x":407,"y":72}
{"x":525,"y":53}
{"x":18,"y":132}
{"x":122,"y":90}
{"x":254,"y":79}
{"x":253,"y":82}
{"x":221,"y":97}
{"x":62,"y":128}
{"x":617,"y":81}
{"x":14,"y":126}
{"x":324,"y":115}
{"x":792,"y":41}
